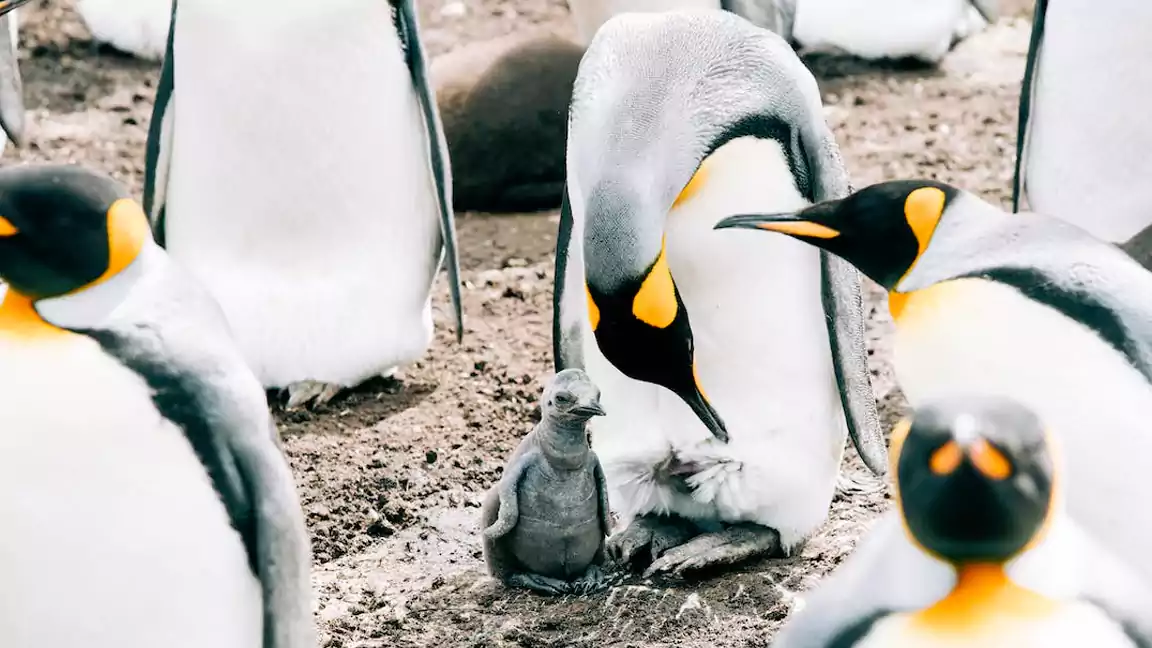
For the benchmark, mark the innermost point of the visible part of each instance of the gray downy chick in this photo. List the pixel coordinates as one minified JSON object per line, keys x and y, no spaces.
{"x":545,"y":521}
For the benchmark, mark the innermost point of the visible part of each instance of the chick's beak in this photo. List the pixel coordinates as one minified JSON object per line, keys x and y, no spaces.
{"x":592,"y":408}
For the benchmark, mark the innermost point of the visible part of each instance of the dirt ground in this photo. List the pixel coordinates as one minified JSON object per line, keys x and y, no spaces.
{"x":393,"y":475}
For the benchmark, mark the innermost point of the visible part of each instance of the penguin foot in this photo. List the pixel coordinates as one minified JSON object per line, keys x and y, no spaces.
{"x":656,"y":533}
{"x":866,"y":484}
{"x":593,"y":580}
{"x":539,"y":583}
{"x":735,"y":544}
{"x":305,"y":391}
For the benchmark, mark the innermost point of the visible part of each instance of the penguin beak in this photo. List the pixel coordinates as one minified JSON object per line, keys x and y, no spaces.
{"x":11,"y":85}
{"x":589,"y":409}
{"x":707,"y":414}
{"x":805,"y":224}
{"x":8,"y":5}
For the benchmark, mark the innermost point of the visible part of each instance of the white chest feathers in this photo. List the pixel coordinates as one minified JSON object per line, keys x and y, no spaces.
{"x":590,"y":14}
{"x":113,"y":534}
{"x":762,"y":357}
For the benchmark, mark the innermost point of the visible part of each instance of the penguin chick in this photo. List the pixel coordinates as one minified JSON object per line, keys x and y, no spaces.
{"x":145,"y":498}
{"x":986,"y":556}
{"x":1019,"y":305}
{"x":545,"y":522}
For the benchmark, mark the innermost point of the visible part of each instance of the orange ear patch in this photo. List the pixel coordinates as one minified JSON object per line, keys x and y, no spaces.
{"x":127,"y":230}
{"x":7,"y":228}
{"x":989,"y":461}
{"x":693,"y":186}
{"x":946,"y":459}
{"x":593,"y":309}
{"x":922,"y":210}
{"x":655,"y":302}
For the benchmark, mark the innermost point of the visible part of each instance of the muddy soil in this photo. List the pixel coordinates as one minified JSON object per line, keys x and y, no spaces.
{"x":392,"y":476}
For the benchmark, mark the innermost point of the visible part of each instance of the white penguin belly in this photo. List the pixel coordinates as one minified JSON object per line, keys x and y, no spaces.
{"x":763,"y":359}
{"x":1087,"y":164}
{"x":112,"y":532}
{"x":139,"y":27}
{"x":880,"y":28}
{"x":975,"y":336}
{"x":301,"y":194}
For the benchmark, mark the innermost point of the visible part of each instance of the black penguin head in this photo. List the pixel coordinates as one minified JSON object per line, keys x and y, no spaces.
{"x":975,"y":478}
{"x":634,"y":307}
{"x":881,"y":229}
{"x":63,"y":228}
{"x":571,"y":396}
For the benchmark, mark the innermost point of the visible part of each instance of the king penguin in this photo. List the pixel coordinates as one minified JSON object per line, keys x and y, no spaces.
{"x":589,"y":15}
{"x":979,"y":551}
{"x":12,"y":113}
{"x":1083,"y":132}
{"x":145,"y":498}
{"x":1018,"y":305}
{"x":137,"y":27}
{"x":726,"y":369}
{"x":890,"y":29}
{"x":309,"y":188}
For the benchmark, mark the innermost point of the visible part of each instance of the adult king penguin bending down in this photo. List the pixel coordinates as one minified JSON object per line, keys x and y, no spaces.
{"x":296,"y":166}
{"x":726,"y":370}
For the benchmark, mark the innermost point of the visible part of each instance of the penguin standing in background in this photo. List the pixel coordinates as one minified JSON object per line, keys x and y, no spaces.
{"x":1023,"y":306}
{"x":726,"y":369}
{"x":1083,"y":133}
{"x":308,"y":188}
{"x":12,"y":111}
{"x":137,"y":27}
{"x":774,"y":15}
{"x":156,"y":507}
{"x":979,"y":551}
{"x":890,"y":29}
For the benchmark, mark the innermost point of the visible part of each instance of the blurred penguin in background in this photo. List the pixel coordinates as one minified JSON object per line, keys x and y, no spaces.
{"x":136,"y":27}
{"x":1083,"y":132}
{"x":774,"y":15}
{"x":924,"y":30}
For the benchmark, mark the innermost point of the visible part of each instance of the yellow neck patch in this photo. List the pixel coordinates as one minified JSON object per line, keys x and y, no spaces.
{"x":984,"y":601}
{"x":655,"y":302}
{"x":693,"y":186}
{"x":19,"y":319}
{"x":7,"y":228}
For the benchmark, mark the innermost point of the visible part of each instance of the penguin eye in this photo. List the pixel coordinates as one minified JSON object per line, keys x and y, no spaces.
{"x":564,"y":399}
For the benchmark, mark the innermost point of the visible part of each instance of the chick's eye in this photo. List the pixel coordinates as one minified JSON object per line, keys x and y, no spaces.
{"x":565,"y":399}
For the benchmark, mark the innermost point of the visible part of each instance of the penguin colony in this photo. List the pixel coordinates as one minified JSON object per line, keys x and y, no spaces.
{"x":708,"y":376}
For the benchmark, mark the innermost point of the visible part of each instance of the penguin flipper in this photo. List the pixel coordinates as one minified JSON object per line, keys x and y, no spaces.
{"x":158,"y":150}
{"x":1027,"y":93}
{"x":406,"y":27}
{"x":844,"y":314}
{"x":776,"y":16}
{"x":567,"y":329}
{"x":182,"y":350}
